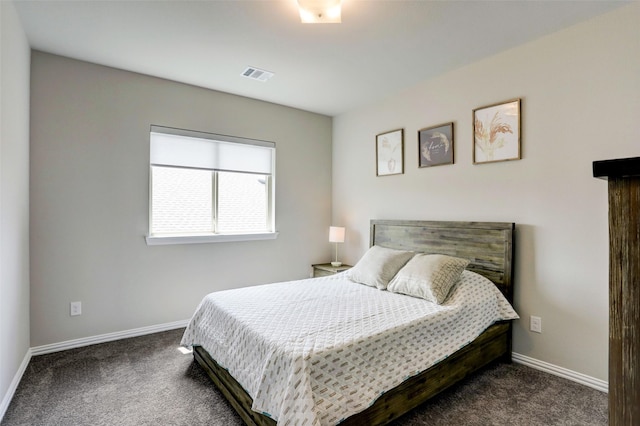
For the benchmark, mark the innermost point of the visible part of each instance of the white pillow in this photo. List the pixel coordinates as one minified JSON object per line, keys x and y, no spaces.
{"x":429,"y":276}
{"x":378,"y":266}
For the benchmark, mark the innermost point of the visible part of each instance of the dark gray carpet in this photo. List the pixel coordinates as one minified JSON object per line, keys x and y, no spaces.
{"x":147,"y":381}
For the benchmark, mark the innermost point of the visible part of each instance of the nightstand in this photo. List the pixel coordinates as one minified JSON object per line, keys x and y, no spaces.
{"x":325,"y":269}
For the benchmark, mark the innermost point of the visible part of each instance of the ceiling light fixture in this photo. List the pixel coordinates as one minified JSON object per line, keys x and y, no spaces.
{"x":320,"y":11}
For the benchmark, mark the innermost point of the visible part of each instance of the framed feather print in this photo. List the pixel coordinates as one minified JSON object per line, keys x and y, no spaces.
{"x":496,"y":132}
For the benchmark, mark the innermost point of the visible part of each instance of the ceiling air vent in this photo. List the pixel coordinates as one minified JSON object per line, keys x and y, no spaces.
{"x":257,"y":74}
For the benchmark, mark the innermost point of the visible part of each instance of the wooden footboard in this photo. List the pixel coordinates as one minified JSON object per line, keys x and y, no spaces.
{"x":231,"y":389}
{"x":493,"y":344}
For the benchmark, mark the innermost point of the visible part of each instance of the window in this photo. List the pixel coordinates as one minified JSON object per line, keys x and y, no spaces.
{"x":206,"y":187}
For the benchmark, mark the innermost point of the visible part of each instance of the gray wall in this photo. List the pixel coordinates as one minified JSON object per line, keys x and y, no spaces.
{"x":581,"y":102}
{"x":14,"y":198}
{"x":89,"y":199}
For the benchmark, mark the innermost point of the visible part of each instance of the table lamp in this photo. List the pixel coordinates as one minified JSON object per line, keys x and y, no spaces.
{"x":336,"y":235}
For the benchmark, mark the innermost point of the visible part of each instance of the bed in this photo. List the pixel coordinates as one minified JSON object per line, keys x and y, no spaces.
{"x":489,"y":248}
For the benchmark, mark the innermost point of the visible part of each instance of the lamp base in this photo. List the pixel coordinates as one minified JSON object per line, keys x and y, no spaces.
{"x":336,"y":264}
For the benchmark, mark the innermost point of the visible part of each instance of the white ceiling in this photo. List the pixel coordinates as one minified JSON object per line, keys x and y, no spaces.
{"x":380,"y":48}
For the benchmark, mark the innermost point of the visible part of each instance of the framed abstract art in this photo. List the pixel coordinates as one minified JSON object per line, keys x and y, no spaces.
{"x":435,"y":145}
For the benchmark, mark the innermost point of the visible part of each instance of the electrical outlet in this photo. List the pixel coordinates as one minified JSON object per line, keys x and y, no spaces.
{"x":75,"y":308}
{"x":535,"y":324}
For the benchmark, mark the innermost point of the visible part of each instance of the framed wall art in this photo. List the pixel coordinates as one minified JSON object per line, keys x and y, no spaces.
{"x":435,"y":145}
{"x":390,"y":153}
{"x":496,"y":132}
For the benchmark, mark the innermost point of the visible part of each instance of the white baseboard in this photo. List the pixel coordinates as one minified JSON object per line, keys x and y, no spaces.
{"x":14,"y":384}
{"x":109,"y":337}
{"x":565,"y":373}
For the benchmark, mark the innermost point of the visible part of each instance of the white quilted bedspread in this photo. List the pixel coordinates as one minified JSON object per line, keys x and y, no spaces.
{"x":315,"y":351}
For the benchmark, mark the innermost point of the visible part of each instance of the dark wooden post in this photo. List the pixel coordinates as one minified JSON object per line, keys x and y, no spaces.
{"x":624,"y":288}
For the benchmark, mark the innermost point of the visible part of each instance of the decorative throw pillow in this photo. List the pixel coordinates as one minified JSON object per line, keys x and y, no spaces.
{"x":429,"y":276}
{"x":378,"y":266}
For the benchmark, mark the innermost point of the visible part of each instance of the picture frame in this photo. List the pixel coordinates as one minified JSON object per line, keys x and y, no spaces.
{"x":435,"y":145}
{"x":496,"y":132}
{"x":390,"y":153}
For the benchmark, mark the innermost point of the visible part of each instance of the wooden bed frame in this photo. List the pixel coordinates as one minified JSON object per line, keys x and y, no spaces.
{"x":488,"y":246}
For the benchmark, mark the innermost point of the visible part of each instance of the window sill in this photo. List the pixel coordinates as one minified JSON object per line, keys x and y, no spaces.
{"x":200,"y":239}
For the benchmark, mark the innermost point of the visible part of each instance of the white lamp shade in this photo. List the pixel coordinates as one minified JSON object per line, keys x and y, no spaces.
{"x":336,"y":234}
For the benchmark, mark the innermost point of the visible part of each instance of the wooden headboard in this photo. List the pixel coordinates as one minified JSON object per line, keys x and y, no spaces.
{"x":488,"y":245}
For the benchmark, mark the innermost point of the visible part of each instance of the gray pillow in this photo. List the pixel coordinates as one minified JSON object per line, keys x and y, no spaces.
{"x":429,"y":276}
{"x":378,"y":266}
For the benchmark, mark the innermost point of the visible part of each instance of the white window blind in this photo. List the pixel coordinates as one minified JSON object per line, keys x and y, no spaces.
{"x":208,"y":185}
{"x":211,"y":152}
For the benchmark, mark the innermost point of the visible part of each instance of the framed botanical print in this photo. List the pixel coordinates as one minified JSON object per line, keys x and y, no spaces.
{"x":435,"y":145}
{"x":390,"y":153}
{"x":496,"y":130}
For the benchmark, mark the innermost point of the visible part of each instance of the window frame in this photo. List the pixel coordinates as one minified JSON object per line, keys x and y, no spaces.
{"x":214,"y":237}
